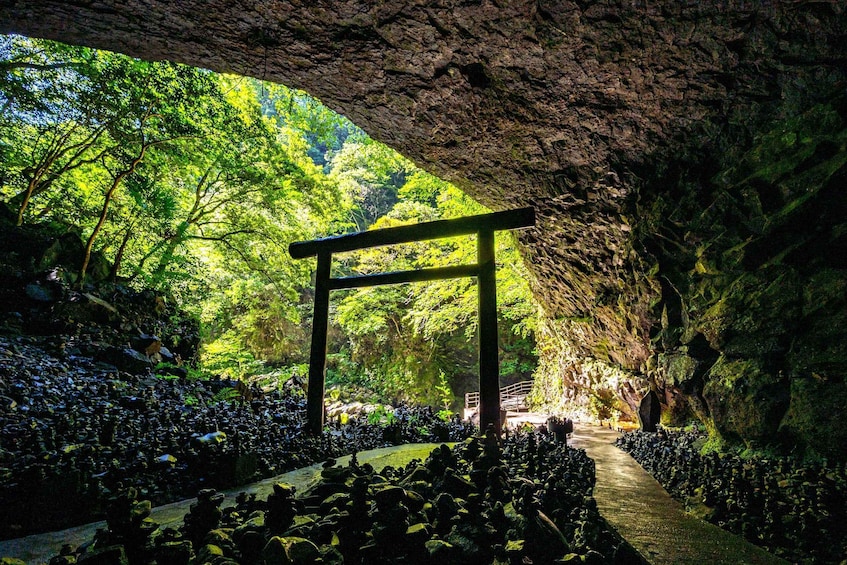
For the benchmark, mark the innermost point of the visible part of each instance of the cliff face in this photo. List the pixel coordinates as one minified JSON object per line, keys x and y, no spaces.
{"x":686,"y":160}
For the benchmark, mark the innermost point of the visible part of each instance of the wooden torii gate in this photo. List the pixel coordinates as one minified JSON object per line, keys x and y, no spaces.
{"x":484,"y":270}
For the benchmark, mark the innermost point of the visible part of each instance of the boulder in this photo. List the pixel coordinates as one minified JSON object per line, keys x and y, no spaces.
{"x":125,"y":359}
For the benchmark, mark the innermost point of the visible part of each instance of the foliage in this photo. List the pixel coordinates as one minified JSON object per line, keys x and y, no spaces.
{"x":419,"y":341}
{"x":443,"y":390}
{"x":381,"y":415}
{"x":369,"y":175}
{"x":226,"y":394}
{"x":226,"y":357}
{"x":195,"y":183}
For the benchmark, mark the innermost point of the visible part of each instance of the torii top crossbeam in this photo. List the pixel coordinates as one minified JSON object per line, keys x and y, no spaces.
{"x":484,"y":270}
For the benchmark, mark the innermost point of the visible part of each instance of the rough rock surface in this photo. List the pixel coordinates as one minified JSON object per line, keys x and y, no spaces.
{"x":685,"y":160}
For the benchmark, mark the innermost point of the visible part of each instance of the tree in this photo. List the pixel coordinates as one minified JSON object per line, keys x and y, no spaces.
{"x":143,"y":106}
{"x":368,"y":174}
{"x":408,"y":339}
{"x":45,"y":132}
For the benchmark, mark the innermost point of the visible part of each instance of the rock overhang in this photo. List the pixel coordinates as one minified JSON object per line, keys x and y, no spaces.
{"x":617,"y":121}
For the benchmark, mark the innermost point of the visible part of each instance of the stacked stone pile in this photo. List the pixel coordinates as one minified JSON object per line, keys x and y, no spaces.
{"x":795,"y":509}
{"x":528,"y":501}
{"x":83,"y":430}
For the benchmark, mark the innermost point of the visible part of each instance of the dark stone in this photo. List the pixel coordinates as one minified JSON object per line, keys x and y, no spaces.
{"x":126,"y":359}
{"x":389,"y":496}
{"x":746,"y":401}
{"x":166,"y":355}
{"x":42,"y":293}
{"x":174,"y":553}
{"x":180,"y":372}
{"x":688,"y":192}
{"x":114,"y":555}
{"x":66,"y":250}
{"x":146,"y":344}
{"x":649,"y":412}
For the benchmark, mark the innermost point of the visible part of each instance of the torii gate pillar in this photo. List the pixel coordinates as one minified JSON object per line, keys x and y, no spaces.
{"x":484,"y":270}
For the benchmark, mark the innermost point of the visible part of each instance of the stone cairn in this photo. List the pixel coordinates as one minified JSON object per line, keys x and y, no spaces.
{"x":795,"y":509}
{"x":526,"y":499}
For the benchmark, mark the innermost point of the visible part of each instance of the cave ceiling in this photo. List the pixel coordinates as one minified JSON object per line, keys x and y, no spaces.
{"x":576,"y":108}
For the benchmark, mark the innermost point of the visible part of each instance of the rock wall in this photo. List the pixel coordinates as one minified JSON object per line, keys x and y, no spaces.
{"x":754,"y":311}
{"x":686,"y":161}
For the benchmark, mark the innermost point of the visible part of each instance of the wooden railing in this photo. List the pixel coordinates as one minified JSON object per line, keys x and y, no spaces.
{"x":512,"y":397}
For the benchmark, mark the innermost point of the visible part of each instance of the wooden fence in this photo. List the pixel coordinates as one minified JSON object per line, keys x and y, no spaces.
{"x":512,"y":398}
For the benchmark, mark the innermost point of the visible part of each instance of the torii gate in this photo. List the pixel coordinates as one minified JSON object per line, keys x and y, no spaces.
{"x":484,"y":270}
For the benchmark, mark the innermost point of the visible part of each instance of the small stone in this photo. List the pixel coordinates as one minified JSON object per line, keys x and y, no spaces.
{"x":174,"y":553}
{"x":414,"y":501}
{"x":250,"y":545}
{"x":417,"y":534}
{"x":209,"y":552}
{"x":439,"y":549}
{"x":302,"y":551}
{"x":456,"y":485}
{"x":112,"y":555}
{"x":389,"y":496}
{"x":284,"y":490}
{"x":419,"y":473}
{"x":274,"y":552}
{"x":337,"y":500}
{"x":290,"y":551}
{"x":212,"y":438}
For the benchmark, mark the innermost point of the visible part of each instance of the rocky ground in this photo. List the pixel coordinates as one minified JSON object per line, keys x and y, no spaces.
{"x":82,"y":430}
{"x":96,"y":397}
{"x":93,"y":425}
{"x":91,"y":417}
{"x":797,"y":510}
{"x":527,"y":500}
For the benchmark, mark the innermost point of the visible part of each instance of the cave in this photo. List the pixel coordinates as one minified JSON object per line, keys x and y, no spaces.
{"x":686,"y":162}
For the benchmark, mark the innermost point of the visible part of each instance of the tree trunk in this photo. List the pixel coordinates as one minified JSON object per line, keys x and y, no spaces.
{"x":116,"y":265}
{"x":26,"y":197}
{"x":107,"y":199}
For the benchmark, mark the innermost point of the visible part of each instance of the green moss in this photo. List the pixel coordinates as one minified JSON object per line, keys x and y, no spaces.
{"x":789,"y":144}
{"x":679,"y":368}
{"x":746,"y":402}
{"x":813,"y":424}
{"x":714,"y":444}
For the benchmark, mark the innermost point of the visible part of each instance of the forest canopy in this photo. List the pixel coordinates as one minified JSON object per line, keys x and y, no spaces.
{"x":194,"y":184}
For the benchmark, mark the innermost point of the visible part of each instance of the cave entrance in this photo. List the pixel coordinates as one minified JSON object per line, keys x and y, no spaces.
{"x":483,"y":226}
